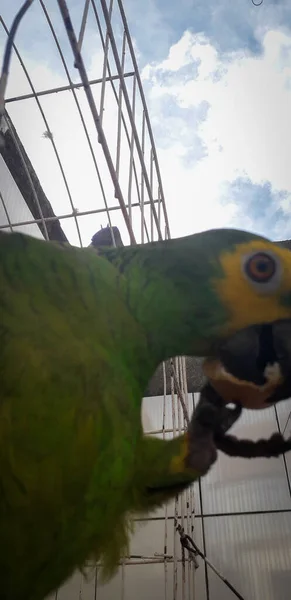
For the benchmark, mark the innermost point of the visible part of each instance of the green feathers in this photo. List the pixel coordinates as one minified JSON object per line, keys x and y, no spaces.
{"x":81,"y":333}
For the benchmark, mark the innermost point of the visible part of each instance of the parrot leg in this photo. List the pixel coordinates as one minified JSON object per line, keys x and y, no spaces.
{"x":210,"y":419}
{"x":244,"y":448}
{"x":170,"y":466}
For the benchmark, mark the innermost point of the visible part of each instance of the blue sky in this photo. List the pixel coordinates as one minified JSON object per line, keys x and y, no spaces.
{"x":230,"y":26}
{"x":217,"y":78}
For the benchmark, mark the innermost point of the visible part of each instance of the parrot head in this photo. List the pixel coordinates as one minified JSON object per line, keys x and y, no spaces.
{"x":222,"y":293}
{"x":252,"y":365}
{"x":255,"y":287}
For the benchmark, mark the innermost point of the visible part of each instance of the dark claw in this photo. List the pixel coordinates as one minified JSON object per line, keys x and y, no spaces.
{"x":211,"y":417}
{"x":213,"y":414}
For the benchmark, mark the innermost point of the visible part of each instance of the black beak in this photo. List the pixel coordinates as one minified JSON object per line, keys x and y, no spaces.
{"x":250,"y":353}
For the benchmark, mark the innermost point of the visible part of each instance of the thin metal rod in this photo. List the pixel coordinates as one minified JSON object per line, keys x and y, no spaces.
{"x":105,"y":60}
{"x":6,"y":212}
{"x":286,"y":424}
{"x":120,"y":98}
{"x":150,"y":561}
{"x":284,"y":456}
{"x":83,"y":24}
{"x":70,"y":215}
{"x":83,"y":74}
{"x":181,"y":498}
{"x":159,"y":431}
{"x":190,"y":506}
{"x":7,"y":54}
{"x":218,"y":515}
{"x":179,"y":392}
{"x":174,"y":422}
{"x":131,"y":149}
{"x":166,"y":506}
{"x":127,"y":103}
{"x":188,"y":543}
{"x":142,"y":178}
{"x":64,"y":88}
{"x":134,"y":62}
{"x":151,"y":182}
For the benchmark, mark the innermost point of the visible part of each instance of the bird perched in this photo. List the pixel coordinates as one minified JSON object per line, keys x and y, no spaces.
{"x":81,"y":333}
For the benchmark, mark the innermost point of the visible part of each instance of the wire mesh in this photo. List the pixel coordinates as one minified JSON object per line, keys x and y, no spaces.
{"x":83,"y":178}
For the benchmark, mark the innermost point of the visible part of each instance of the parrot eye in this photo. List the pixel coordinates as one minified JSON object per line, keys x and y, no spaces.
{"x":263,"y":270}
{"x":260,"y":267}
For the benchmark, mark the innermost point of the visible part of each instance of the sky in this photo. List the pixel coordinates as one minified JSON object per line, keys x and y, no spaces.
{"x":217,"y":81}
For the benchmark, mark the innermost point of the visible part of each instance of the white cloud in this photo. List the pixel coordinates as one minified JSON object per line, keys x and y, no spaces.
{"x":246,"y":132}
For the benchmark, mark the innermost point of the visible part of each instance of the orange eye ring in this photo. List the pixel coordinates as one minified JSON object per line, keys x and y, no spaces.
{"x":260,"y":267}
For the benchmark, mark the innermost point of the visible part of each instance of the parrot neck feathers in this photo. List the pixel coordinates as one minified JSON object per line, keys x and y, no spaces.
{"x":167,"y":288}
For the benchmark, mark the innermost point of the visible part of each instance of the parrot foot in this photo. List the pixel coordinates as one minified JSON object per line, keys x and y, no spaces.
{"x":211,"y":418}
{"x":210,"y":413}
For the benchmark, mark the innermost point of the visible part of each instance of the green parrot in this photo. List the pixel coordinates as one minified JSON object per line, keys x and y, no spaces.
{"x":81,"y":333}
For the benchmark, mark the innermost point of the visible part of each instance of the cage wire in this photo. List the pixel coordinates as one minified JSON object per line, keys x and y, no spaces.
{"x":78,"y":154}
